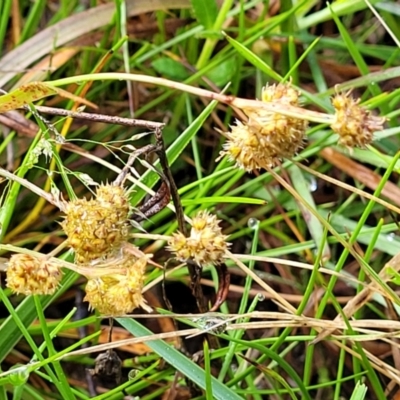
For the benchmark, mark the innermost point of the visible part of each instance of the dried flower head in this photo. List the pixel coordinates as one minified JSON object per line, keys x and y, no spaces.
{"x":119,"y":294}
{"x":267,"y":137}
{"x":27,"y":274}
{"x":353,"y":123}
{"x":96,"y":228}
{"x":206,"y":243}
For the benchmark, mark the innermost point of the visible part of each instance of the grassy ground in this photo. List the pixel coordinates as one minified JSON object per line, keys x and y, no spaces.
{"x":312,"y":309}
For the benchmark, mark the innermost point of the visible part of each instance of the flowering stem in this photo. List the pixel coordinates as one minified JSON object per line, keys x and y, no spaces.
{"x":290,"y":111}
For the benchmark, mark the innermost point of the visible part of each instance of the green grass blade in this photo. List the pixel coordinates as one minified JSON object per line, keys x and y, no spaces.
{"x":253,"y":58}
{"x":9,"y":331}
{"x":359,"y":392}
{"x":279,"y":361}
{"x":314,"y":225}
{"x":33,"y":20}
{"x":5,"y":8}
{"x":187,"y":367}
{"x":339,"y":8}
{"x":353,"y":51}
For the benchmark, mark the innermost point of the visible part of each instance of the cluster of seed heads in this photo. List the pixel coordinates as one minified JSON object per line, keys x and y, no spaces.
{"x":267,"y":137}
{"x":97,"y":230}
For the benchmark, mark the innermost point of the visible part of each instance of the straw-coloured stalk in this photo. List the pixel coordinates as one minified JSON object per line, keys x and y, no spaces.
{"x":353,"y":123}
{"x":267,"y":136}
{"x":206,"y":243}
{"x":119,"y":294}
{"x":97,"y":227}
{"x":28,"y":275}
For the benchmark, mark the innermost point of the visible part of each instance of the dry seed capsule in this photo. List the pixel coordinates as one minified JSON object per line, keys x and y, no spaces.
{"x":206,"y":243}
{"x":27,"y":274}
{"x":96,"y":228}
{"x":267,"y":136}
{"x":243,"y":147}
{"x":119,"y":294}
{"x":353,"y":123}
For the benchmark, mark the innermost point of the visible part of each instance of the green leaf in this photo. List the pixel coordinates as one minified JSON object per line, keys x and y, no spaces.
{"x":205,"y":11}
{"x":170,"y":68}
{"x":223,"y":72}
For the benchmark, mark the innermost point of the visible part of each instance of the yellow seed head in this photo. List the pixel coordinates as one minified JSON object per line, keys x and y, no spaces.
{"x":96,"y":228}
{"x":206,"y":243}
{"x":119,"y":294}
{"x":353,"y":123}
{"x":115,"y":195}
{"x":283,"y":93}
{"x":27,"y":274}
{"x":266,"y":137}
